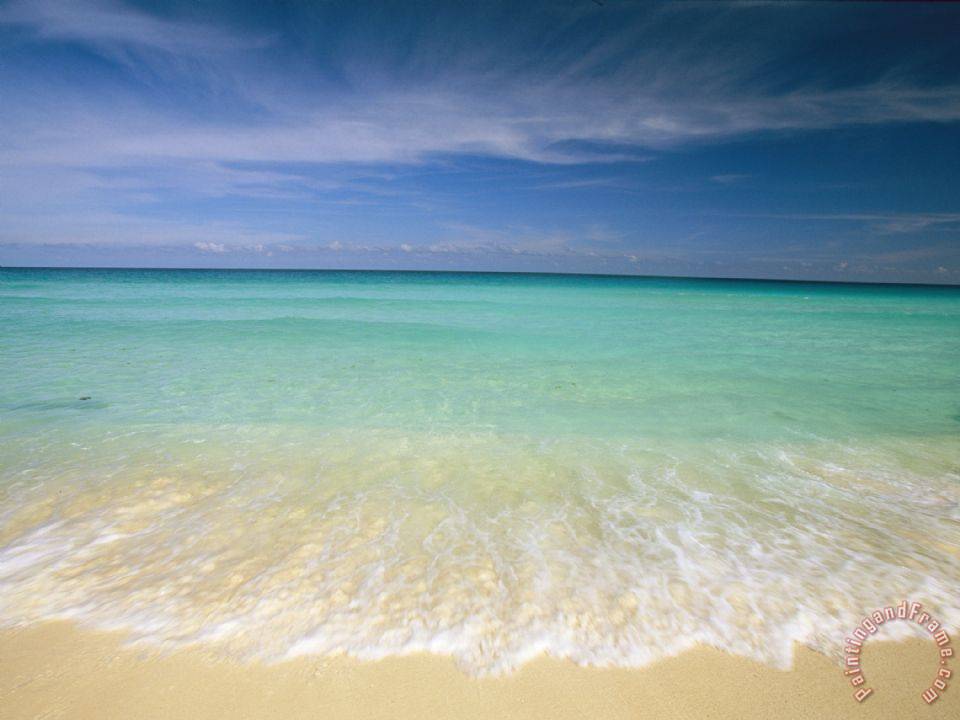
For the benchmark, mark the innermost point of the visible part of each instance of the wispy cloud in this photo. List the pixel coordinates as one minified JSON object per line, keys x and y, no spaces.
{"x":119,"y":229}
{"x":110,"y":25}
{"x":886,"y":223}
{"x":568,"y":110}
{"x":730,"y":178}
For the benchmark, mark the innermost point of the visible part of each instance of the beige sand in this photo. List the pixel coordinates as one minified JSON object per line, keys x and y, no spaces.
{"x":55,"y":671}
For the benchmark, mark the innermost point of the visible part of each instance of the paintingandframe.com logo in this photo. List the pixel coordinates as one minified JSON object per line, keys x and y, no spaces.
{"x":908,"y":612}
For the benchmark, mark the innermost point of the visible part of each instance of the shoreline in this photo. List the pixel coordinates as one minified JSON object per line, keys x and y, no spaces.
{"x":56,"y":669}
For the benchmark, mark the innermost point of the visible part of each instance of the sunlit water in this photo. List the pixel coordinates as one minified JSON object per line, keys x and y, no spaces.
{"x":490,"y":467}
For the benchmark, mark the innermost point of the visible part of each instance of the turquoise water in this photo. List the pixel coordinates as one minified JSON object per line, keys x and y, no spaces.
{"x":491,"y":466}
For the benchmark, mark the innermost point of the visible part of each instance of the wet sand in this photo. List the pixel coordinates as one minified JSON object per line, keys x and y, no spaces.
{"x":55,"y":670}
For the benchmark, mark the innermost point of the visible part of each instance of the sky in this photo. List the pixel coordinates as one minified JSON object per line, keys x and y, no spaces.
{"x":754,"y":139}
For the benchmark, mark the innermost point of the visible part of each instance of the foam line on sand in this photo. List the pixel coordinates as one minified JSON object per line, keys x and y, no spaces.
{"x":55,"y":670}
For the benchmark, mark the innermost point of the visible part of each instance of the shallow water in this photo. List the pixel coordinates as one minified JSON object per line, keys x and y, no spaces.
{"x":489,"y":466}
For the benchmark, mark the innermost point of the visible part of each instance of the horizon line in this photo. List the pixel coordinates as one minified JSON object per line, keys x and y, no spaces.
{"x":492,"y":272}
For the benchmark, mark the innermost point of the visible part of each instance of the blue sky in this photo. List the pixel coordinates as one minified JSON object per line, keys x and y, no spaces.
{"x":756,"y":139}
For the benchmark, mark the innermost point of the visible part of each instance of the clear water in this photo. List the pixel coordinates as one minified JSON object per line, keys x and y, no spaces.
{"x":487,"y":466}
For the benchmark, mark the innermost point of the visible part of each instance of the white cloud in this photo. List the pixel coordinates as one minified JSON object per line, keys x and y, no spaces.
{"x":730,"y":178}
{"x":564,"y":112}
{"x":883,"y":223}
{"x":412,"y":125}
{"x":210,"y":247}
{"x":102,"y":23}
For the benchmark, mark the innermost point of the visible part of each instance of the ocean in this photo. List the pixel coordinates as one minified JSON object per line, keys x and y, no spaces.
{"x":485,"y":466}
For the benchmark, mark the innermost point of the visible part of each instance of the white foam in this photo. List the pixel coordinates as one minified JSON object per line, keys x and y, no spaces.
{"x":494,"y":554}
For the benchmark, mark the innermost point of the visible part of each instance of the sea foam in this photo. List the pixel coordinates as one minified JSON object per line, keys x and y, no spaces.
{"x":491,"y":550}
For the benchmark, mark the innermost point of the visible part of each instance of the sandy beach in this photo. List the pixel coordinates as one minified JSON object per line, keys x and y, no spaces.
{"x":55,"y":670}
